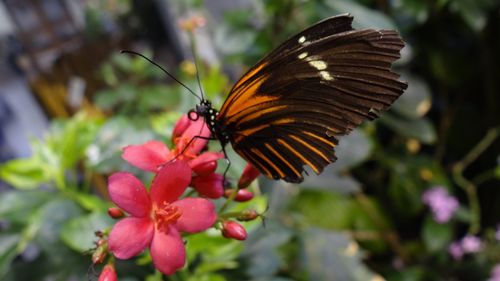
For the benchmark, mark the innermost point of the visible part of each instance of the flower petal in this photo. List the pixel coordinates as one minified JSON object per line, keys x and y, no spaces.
{"x":210,"y":186}
{"x":180,"y":126}
{"x":198,"y":214}
{"x":129,"y":193}
{"x":148,"y":156}
{"x":205,"y":163}
{"x":167,"y":251}
{"x":170,"y":182}
{"x":130,"y":236}
{"x":197,"y":128}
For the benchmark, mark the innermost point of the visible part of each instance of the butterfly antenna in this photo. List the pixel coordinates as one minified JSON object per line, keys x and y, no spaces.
{"x":195,"y":58}
{"x":163,"y":69}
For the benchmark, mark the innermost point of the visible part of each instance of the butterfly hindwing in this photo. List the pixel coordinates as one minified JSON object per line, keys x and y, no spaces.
{"x":287,"y":110}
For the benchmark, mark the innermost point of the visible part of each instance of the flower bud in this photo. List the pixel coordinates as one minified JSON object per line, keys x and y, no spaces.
{"x":248,"y":215}
{"x":248,"y":176}
{"x":115,"y":213}
{"x":243,"y":195}
{"x":233,"y":230}
{"x":100,"y":252}
{"x":191,"y":23}
{"x":108,"y":273}
{"x":205,"y":168}
{"x":210,"y":186}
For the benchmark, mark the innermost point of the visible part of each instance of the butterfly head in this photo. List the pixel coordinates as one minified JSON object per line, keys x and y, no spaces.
{"x":205,"y":110}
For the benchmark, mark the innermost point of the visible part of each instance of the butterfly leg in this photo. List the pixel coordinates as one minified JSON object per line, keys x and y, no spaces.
{"x":188,"y":144}
{"x":228,"y":161}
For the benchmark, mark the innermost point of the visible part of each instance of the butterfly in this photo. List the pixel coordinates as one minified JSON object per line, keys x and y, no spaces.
{"x":287,"y":110}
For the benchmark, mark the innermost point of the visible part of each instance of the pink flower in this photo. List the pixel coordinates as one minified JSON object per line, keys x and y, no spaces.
{"x":442,"y":204}
{"x":471,"y":244}
{"x":455,"y":250}
{"x":108,"y":273}
{"x":152,"y":155}
{"x":157,"y":217}
{"x":495,"y":273}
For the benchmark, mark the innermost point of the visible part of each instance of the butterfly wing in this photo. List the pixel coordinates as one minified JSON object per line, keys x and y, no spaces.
{"x":287,"y":110}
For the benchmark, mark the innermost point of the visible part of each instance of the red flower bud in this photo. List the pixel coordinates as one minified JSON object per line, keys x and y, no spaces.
{"x":210,"y":186}
{"x":243,"y":195}
{"x":206,"y":168}
{"x":181,"y":126}
{"x":115,"y":213}
{"x":233,"y":230}
{"x":108,"y":273}
{"x":248,"y":215}
{"x":248,"y":176}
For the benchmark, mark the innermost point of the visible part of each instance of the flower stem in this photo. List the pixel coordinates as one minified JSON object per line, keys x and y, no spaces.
{"x":469,"y":187}
{"x":229,"y":200}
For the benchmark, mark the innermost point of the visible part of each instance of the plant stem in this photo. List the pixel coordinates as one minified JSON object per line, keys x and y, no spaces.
{"x":389,"y":235}
{"x":469,"y":187}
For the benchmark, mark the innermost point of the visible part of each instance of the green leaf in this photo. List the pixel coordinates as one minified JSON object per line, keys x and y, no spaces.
{"x":214,"y":82}
{"x":28,"y":173}
{"x":45,"y":224}
{"x":332,"y":182}
{"x":420,"y":129}
{"x":352,"y":150}
{"x":78,"y":233}
{"x":416,"y":100}
{"x":363,"y":17}
{"x":315,"y":205}
{"x":409,"y":178}
{"x":436,"y":236}
{"x":8,"y":251}
{"x":230,"y":40}
{"x":328,"y":255}
{"x":409,"y":274}
{"x":17,"y":206}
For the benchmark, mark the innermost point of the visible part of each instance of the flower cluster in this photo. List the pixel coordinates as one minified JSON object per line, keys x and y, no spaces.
{"x":158,"y":217}
{"x":495,"y":273}
{"x":442,"y":205}
{"x":469,"y":244}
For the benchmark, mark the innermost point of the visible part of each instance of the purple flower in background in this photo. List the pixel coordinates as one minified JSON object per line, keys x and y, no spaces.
{"x":471,"y":244}
{"x":455,"y":250}
{"x":442,"y":205}
{"x":495,"y":273}
{"x":497,"y":233}
{"x":467,"y":245}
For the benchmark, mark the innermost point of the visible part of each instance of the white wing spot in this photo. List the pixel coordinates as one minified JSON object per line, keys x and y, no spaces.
{"x":302,"y":39}
{"x":302,"y":56}
{"x":325,"y":75}
{"x":318,"y":64}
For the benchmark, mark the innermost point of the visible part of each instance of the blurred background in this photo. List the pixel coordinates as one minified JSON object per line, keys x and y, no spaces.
{"x":415,"y":195}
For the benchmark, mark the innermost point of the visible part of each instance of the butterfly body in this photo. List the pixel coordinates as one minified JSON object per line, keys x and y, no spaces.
{"x":288,"y":110}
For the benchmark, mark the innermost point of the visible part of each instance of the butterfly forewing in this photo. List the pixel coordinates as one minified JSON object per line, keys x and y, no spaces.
{"x":287,"y":110}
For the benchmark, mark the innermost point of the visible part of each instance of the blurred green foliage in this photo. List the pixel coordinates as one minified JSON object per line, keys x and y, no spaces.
{"x":361,"y":219}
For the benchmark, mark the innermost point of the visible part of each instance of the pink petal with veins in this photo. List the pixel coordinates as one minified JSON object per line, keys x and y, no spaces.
{"x":128,"y":193}
{"x":130,"y":236}
{"x":167,"y":251}
{"x":170,"y":182}
{"x":148,"y":156}
{"x":198,"y":214}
